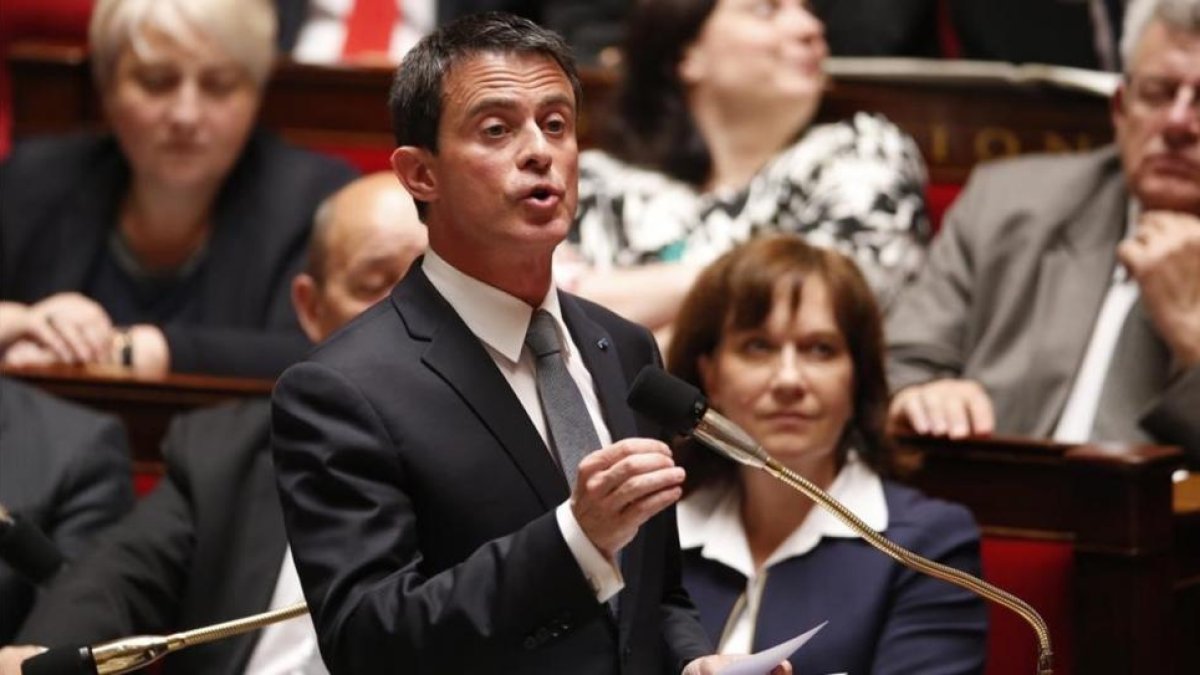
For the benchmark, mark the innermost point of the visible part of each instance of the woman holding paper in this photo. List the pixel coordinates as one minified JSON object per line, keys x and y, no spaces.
{"x":785,"y":340}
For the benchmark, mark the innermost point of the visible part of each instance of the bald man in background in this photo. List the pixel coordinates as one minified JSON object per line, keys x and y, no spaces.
{"x":208,"y":544}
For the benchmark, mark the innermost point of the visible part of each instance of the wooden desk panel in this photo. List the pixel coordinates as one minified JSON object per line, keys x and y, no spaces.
{"x":145,"y":405}
{"x":956,"y":122}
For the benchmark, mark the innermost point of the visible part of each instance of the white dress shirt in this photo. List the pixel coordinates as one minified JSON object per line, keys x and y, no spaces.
{"x":710,"y":519}
{"x":1079,"y":414}
{"x":324,"y":31}
{"x":288,"y":647}
{"x":500,"y":322}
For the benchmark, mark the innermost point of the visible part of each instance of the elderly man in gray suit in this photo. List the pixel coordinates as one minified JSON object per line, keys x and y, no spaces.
{"x":1062,"y":299}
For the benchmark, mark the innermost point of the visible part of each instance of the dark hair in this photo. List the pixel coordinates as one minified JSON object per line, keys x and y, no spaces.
{"x":416,"y":97}
{"x":737,"y":292}
{"x":652,"y":125}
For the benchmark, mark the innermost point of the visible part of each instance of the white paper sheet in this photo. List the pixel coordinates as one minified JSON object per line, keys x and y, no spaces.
{"x":763,"y":662}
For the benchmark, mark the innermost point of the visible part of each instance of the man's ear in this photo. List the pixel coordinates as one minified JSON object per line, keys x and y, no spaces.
{"x":305,"y":304}
{"x":1117,"y":106}
{"x":414,"y":167}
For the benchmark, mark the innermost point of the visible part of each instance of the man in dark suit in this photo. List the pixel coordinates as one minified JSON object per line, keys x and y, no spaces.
{"x":64,"y":469}
{"x":207,"y":544}
{"x":425,"y":468}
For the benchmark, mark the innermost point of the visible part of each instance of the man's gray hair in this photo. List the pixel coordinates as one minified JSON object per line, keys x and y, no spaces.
{"x":1180,"y":14}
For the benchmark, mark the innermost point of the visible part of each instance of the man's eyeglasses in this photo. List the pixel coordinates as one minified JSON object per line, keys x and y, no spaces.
{"x":1160,"y":93}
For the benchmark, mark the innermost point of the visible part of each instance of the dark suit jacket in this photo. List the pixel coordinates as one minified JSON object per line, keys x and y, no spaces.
{"x":1012,"y":289}
{"x":883,"y":617}
{"x":419,"y":500}
{"x":58,"y":204}
{"x":1026,"y":31}
{"x":879,"y":27}
{"x":205,"y":546}
{"x":63,"y":468}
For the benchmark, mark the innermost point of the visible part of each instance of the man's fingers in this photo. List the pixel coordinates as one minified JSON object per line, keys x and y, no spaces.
{"x":952,"y":408}
{"x":983,"y":418}
{"x":605,"y":482}
{"x":608,"y":456}
{"x":638,"y":486}
{"x":648,"y":506}
{"x":915,"y":410}
{"x":935,"y":411}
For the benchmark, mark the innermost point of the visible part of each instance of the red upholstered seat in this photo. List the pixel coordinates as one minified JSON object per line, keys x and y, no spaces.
{"x":144,"y":481}
{"x":1040,"y":573}
{"x":938,"y":198}
{"x":366,"y":160}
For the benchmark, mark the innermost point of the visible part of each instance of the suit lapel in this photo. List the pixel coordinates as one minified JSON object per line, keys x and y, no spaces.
{"x":600,"y":355}
{"x":457,"y":356}
{"x":1074,"y":277}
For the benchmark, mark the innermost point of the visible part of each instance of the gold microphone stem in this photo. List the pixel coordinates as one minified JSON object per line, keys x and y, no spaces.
{"x":199,"y":636}
{"x":123,"y":656}
{"x":910,"y":559}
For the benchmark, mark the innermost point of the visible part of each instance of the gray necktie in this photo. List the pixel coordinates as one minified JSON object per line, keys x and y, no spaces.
{"x":1137,"y":373}
{"x":571,"y":434}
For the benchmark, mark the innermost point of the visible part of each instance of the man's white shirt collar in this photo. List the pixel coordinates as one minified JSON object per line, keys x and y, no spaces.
{"x":710,"y":519}
{"x":498,"y":319}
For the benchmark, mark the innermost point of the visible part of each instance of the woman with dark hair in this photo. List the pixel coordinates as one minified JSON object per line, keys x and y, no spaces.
{"x":714,"y":142}
{"x":785,"y":339}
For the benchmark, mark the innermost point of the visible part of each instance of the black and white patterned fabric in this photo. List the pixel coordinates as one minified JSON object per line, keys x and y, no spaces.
{"x":856,"y":186}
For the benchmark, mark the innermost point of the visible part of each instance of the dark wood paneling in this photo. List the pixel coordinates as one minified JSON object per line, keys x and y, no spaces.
{"x":956,"y":123}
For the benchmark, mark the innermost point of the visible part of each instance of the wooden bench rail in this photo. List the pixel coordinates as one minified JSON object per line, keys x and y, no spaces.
{"x":145,"y":405}
{"x":960,"y":113}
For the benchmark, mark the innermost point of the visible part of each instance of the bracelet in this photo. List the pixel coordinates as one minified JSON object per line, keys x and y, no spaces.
{"x":123,"y":347}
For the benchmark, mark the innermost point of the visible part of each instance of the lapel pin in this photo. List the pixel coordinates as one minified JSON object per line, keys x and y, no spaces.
{"x":602,"y":343}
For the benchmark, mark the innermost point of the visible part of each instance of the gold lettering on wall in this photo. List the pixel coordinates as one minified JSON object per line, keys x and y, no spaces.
{"x":1056,"y":142}
{"x":993,"y":142}
{"x":939,"y":144}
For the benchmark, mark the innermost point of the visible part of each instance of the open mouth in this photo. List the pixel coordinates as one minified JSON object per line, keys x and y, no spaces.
{"x":542,"y":196}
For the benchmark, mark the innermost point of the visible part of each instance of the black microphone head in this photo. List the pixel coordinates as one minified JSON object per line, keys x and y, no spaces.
{"x":61,"y":661}
{"x":666,"y":399}
{"x":29,"y":552}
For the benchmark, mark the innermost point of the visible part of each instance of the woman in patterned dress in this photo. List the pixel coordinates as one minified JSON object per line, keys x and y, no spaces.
{"x":713,"y":142}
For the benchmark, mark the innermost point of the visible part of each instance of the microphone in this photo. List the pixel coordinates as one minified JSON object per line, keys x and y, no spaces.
{"x":27,"y":549}
{"x":129,"y":654}
{"x":682,"y":409}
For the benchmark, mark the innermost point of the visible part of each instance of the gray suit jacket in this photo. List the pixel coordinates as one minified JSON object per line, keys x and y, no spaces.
{"x":1012,"y":289}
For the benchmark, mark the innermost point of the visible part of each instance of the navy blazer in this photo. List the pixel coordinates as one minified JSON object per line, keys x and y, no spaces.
{"x":419,"y":501}
{"x":883,"y":617}
{"x":58,"y":203}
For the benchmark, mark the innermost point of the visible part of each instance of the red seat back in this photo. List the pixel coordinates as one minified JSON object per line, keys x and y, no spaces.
{"x":1041,"y":573}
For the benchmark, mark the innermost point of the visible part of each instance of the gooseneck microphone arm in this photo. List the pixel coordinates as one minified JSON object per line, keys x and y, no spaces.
{"x":682,"y":409}
{"x":129,"y":654}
